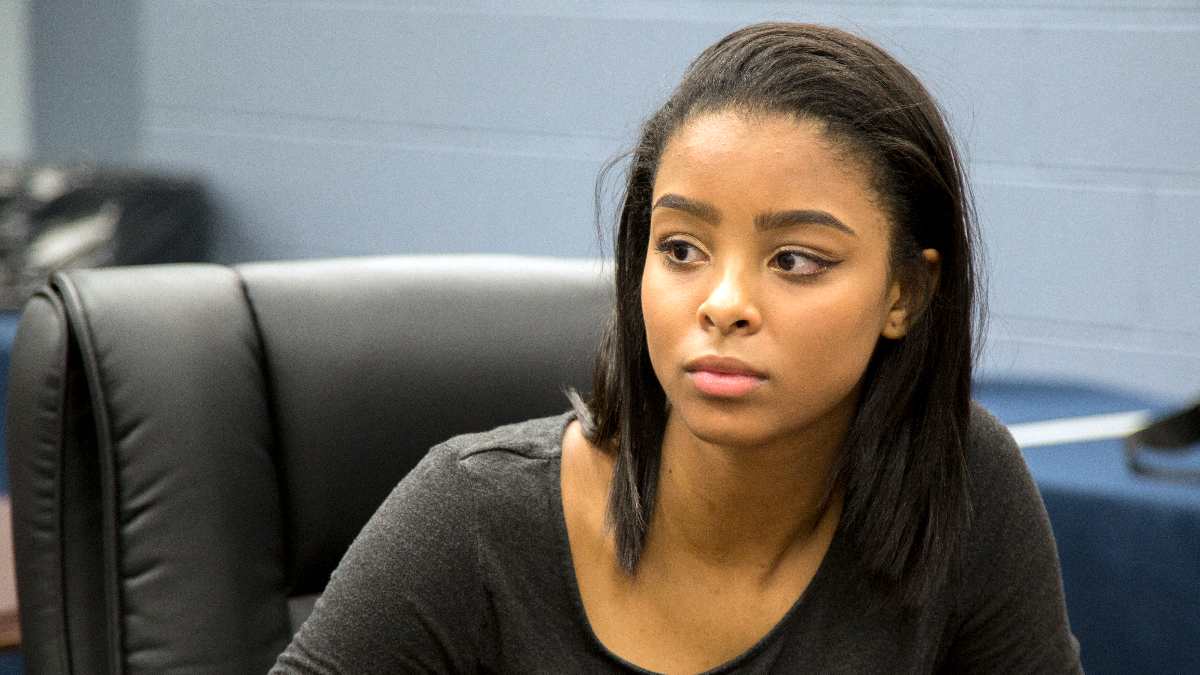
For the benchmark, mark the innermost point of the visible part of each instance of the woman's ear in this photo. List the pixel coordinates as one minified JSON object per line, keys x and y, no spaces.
{"x":909,"y":295}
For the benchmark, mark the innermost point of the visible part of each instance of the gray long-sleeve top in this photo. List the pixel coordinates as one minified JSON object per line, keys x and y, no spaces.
{"x":466,"y":568}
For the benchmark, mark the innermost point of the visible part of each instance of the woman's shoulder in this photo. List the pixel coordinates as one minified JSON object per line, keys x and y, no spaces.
{"x":1006,"y":507}
{"x":1009,"y":591}
{"x":486,"y":485}
{"x":502,"y":454}
{"x":535,"y":439}
{"x":414,"y":578}
{"x":1000,"y":481}
{"x":469,"y":479}
{"x":993,"y":458}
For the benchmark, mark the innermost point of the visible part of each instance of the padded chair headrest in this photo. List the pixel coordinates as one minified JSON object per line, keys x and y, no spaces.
{"x":191,"y":444}
{"x":372,"y":362}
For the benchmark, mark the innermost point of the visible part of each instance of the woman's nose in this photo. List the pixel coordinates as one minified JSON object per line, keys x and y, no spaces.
{"x":730,"y":307}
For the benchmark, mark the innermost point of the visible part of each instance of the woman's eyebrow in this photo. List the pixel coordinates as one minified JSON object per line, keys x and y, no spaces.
{"x":764,"y":221}
{"x":771,"y":221}
{"x":706,"y":212}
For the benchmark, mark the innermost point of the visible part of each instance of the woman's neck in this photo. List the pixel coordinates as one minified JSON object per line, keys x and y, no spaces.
{"x":742,"y":509}
{"x":736,"y":537}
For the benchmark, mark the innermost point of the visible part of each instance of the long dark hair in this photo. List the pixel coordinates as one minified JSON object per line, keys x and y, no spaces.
{"x":903,"y":459}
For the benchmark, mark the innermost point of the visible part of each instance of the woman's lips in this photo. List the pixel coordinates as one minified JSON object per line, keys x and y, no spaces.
{"x":723,"y":376}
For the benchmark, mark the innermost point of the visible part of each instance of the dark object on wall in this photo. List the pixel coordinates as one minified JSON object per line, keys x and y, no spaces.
{"x":57,"y":218}
{"x":193,"y":447}
{"x":1173,"y":435}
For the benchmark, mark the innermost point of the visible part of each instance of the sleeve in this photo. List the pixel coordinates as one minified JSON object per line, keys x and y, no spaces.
{"x":1011,"y":609}
{"x":406,"y":597}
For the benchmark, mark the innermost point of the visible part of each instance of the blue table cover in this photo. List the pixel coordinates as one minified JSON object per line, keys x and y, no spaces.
{"x":1129,"y":546}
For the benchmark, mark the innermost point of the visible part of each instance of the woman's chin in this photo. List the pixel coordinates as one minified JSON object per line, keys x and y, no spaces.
{"x":729,"y":428}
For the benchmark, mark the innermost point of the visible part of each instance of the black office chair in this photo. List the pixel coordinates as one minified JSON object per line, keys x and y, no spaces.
{"x":193,"y":447}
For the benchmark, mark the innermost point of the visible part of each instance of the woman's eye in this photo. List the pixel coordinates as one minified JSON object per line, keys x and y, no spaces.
{"x":795,"y":262}
{"x":680,"y":251}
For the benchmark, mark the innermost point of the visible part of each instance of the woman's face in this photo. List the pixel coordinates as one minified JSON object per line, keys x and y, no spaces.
{"x":767,"y":284}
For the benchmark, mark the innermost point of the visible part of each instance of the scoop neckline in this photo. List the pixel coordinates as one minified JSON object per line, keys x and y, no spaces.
{"x":567,"y":567}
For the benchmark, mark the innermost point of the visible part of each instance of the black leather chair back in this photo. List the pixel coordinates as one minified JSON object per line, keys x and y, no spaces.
{"x":191,"y":445}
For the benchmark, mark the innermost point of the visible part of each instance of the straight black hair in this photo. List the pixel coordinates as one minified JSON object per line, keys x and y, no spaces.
{"x":903,"y":459}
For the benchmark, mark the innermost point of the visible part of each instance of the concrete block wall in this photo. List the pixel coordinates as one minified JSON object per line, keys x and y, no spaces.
{"x":86,"y":93}
{"x":14,"y":81}
{"x":341,"y":128}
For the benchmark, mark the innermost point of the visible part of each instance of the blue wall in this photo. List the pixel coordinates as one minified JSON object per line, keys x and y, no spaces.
{"x":85,"y":81}
{"x":341,"y":128}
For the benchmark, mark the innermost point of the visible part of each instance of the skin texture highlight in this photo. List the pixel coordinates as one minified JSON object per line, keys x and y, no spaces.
{"x":766,"y":287}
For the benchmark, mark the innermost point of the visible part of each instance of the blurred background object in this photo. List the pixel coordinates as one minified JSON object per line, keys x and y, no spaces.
{"x":56,"y":218}
{"x":1168,"y":449}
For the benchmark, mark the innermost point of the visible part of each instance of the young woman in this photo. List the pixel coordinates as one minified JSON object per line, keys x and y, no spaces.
{"x":780,"y":470}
